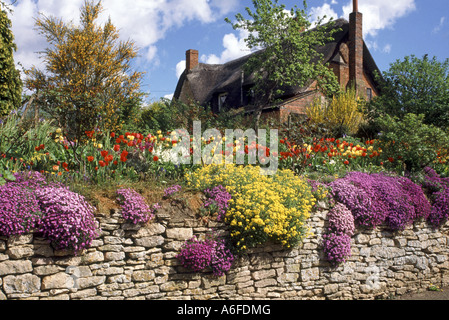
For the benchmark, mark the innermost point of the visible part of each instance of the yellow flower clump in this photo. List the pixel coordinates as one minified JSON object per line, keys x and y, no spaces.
{"x":263,"y":208}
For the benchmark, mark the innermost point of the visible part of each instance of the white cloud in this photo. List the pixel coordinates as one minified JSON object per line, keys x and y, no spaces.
{"x":234,"y":48}
{"x":380,"y":14}
{"x":324,"y":11}
{"x":169,"y":96}
{"x":145,"y":22}
{"x":439,"y":26}
{"x":180,"y":67}
{"x":387,"y":48}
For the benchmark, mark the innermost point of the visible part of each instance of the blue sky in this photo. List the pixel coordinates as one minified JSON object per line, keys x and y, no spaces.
{"x":165,"y":29}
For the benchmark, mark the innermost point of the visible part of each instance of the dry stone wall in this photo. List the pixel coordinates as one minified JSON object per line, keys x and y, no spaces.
{"x":134,"y":262}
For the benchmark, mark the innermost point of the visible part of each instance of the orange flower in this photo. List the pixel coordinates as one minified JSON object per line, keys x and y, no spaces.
{"x":104,"y":153}
{"x":65,"y":164}
{"x":90,"y":158}
{"x":102,"y":163}
{"x":116,"y":148}
{"x":155,"y":158}
{"x":346,"y":162}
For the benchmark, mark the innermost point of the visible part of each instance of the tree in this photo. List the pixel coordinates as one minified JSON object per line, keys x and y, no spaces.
{"x":419,"y":86}
{"x":288,"y":53}
{"x":88,"y":75}
{"x":10,"y":82}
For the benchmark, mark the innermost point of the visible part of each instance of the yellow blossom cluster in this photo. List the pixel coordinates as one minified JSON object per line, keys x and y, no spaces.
{"x":263,"y":208}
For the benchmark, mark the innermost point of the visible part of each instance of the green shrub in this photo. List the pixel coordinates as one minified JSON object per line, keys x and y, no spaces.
{"x":409,"y":144}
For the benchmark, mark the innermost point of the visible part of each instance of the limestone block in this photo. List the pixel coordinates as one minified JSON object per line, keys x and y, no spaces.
{"x":26,"y":283}
{"x":150,"y":242}
{"x":47,"y":270}
{"x":20,"y":252}
{"x":179,"y":233}
{"x":310,"y":274}
{"x":15,"y":267}
{"x":263,"y":274}
{"x":61,"y":280}
{"x":93,"y":257}
{"x":19,"y":240}
{"x":143,"y":275}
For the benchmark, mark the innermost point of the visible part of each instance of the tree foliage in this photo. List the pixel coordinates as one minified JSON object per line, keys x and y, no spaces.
{"x":288,"y":50}
{"x":419,"y":86}
{"x":88,"y":76}
{"x":411,"y":142}
{"x":10,"y":82}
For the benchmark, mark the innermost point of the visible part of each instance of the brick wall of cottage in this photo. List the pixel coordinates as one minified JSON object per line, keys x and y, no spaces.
{"x":131,"y":262}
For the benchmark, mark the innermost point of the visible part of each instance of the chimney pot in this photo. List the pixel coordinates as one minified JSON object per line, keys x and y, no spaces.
{"x":191,"y":59}
{"x":355,"y":5}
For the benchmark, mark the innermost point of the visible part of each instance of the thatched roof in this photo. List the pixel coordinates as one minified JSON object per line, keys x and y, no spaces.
{"x":207,"y":81}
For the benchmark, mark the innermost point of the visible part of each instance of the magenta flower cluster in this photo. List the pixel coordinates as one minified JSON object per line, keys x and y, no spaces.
{"x":438,"y":191}
{"x":198,"y":255}
{"x":19,"y":210}
{"x":337,"y":247}
{"x":341,"y":220}
{"x":68,"y":219}
{"x":134,"y":207}
{"x":337,"y":240}
{"x":172,"y":189}
{"x":375,"y":199}
{"x":32,"y":204}
{"x":217,"y":201}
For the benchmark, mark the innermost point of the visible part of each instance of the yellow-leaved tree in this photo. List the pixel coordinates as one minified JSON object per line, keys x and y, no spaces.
{"x":343,"y":114}
{"x":88,"y":75}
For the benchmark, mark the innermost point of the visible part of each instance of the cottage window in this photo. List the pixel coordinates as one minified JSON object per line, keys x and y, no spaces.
{"x":369,"y":94}
{"x":221,"y":101}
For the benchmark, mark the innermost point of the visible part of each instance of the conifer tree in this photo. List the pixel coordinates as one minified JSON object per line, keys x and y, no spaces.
{"x":10,"y":82}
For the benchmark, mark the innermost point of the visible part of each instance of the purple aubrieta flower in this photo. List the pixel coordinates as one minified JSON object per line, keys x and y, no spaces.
{"x":134,"y":207}
{"x":374,"y":199}
{"x":197,"y":255}
{"x":172,"y":189}
{"x":217,"y":200}
{"x":19,"y":210}
{"x":68,"y":219}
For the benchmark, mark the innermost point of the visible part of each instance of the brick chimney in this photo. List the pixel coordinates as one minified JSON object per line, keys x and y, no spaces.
{"x":356,"y":48}
{"x":191,"y":59}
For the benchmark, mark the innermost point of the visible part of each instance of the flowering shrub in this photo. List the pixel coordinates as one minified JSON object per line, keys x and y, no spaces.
{"x":199,"y":255}
{"x":440,"y":208}
{"x":337,"y":240}
{"x":341,"y":220}
{"x":217,"y":201}
{"x":134,"y":207}
{"x":337,"y":247}
{"x":67,"y":220}
{"x":262,"y":208}
{"x":377,"y":198}
{"x":19,"y":210}
{"x":438,"y":190}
